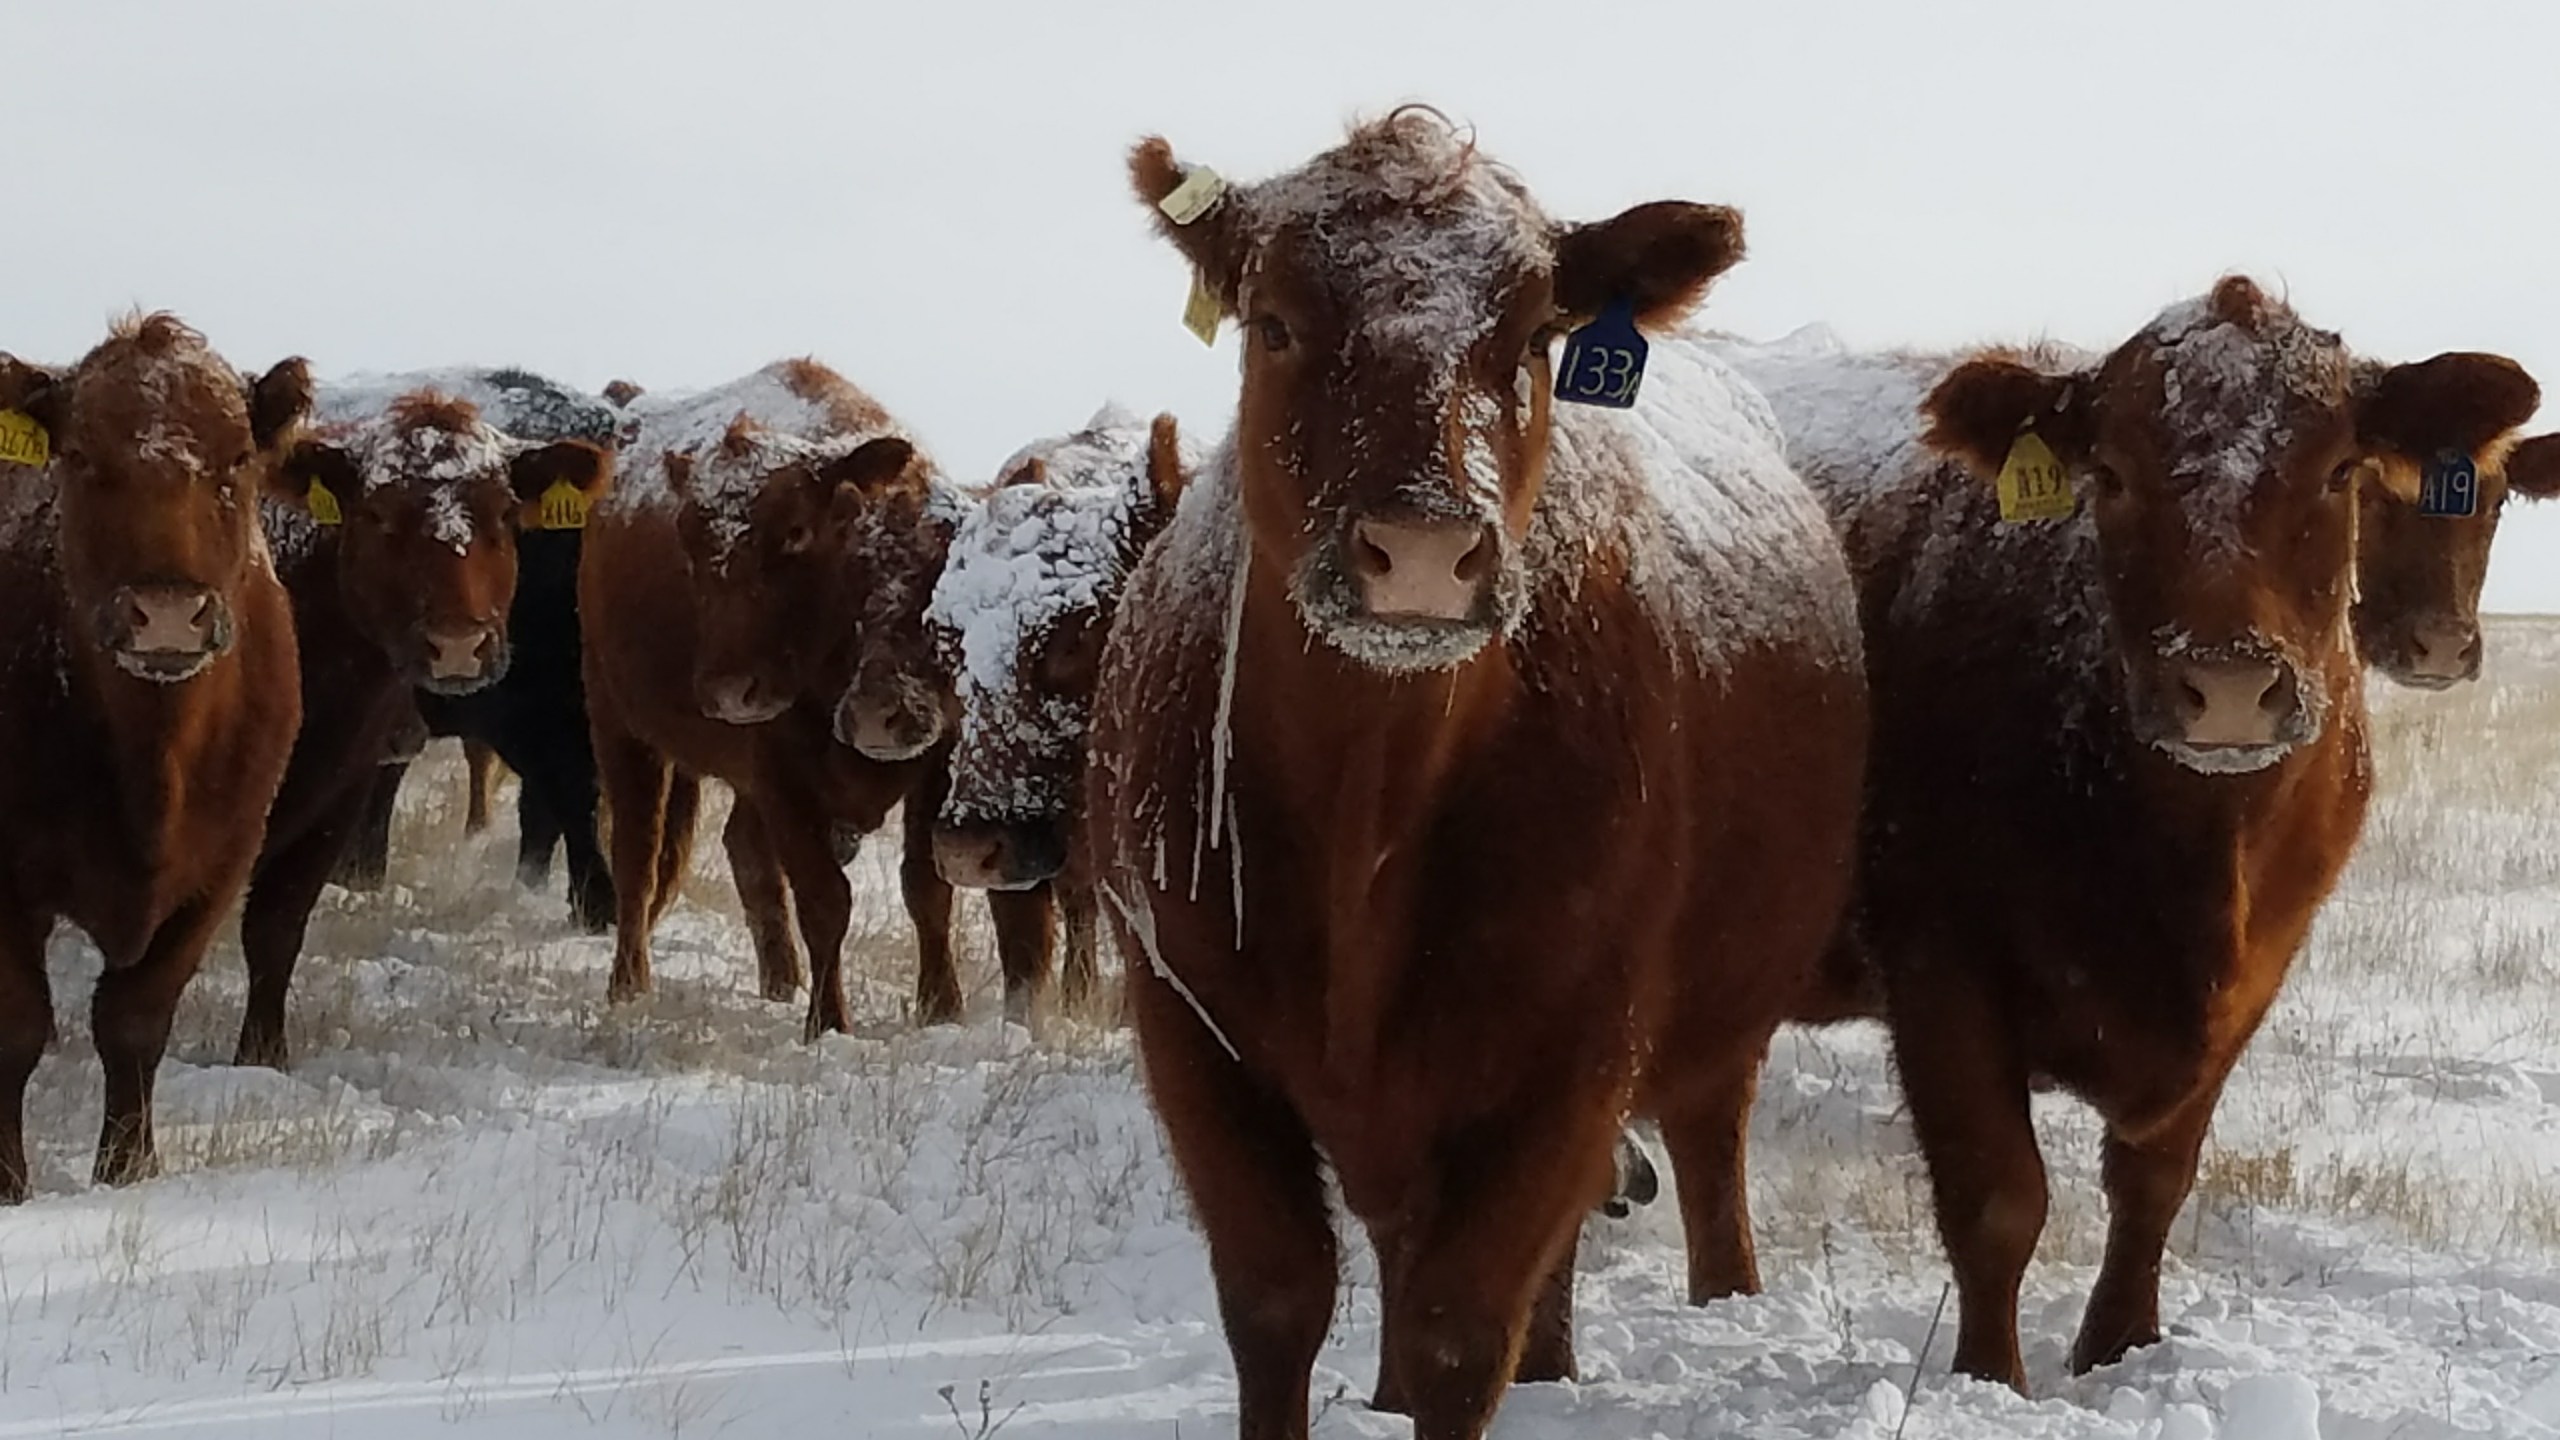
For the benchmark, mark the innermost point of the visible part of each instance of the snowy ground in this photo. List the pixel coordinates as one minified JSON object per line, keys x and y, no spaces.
{"x":482,"y":1205}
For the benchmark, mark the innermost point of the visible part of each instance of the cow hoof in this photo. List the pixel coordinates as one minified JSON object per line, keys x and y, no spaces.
{"x":778,"y":991}
{"x":265,"y":1054}
{"x":621,"y":991}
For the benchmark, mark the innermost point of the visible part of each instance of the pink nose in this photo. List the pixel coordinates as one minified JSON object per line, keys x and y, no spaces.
{"x":169,"y":619}
{"x":1430,"y":570}
{"x":455,"y":654}
{"x":2233,"y":702}
{"x":2442,"y":649}
{"x":740,"y":700}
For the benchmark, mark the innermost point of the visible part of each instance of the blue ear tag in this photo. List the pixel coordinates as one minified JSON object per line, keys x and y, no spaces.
{"x":1604,"y":360}
{"x":2450,"y":488}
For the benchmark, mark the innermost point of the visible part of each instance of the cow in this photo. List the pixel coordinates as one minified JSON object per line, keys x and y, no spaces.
{"x":400,"y":553}
{"x":2120,"y":736}
{"x":149,"y":698}
{"x":1469,"y":772}
{"x":1022,"y":609}
{"x":533,"y":718}
{"x":753,"y":608}
{"x":2418,"y":575}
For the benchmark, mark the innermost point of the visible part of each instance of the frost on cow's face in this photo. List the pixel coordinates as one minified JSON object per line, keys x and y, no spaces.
{"x":2221,"y":451}
{"x":1399,"y":297}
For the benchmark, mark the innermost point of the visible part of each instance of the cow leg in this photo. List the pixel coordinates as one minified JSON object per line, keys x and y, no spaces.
{"x":537,"y":835}
{"x":1257,"y":1189}
{"x":802,"y":837}
{"x":675,"y":840}
{"x":481,"y":764}
{"x":129,"y":1017}
{"x":1025,"y":933}
{"x":276,"y":917}
{"x":366,"y":859}
{"x":568,"y":793}
{"x":2147,"y":1180}
{"x":1706,"y":1129}
{"x":1968,"y":1096}
{"x":635,"y":783}
{"x":26,"y":1028}
{"x":1081,"y":976}
{"x":928,"y":898}
{"x":767,"y":904}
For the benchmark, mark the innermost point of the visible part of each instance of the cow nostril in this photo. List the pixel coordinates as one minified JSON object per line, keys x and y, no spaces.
{"x":2192,"y":695}
{"x":1477,"y":559}
{"x":1372,"y":557}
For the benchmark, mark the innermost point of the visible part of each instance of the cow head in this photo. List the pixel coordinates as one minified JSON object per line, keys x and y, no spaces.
{"x":769,"y":523}
{"x":1022,"y":608}
{"x":2419,"y":576}
{"x":2221,"y":451}
{"x":899,"y":703}
{"x":1400,"y":297}
{"x":428,"y":498}
{"x":161,"y":450}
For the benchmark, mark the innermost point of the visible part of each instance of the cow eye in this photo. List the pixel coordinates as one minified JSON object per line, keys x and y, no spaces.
{"x":2104,"y":479}
{"x":2345,"y":473}
{"x":795,"y":540}
{"x":1273,"y":332}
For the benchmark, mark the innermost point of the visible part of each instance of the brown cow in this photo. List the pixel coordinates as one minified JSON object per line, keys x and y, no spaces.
{"x":399,"y":550}
{"x":1466,"y":773}
{"x":149,"y":702}
{"x":1022,"y":609}
{"x":2120,"y":757}
{"x":2418,"y":576}
{"x":759,"y":530}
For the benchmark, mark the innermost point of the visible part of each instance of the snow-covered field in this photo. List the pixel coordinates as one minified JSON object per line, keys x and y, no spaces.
{"x":483,"y":1205}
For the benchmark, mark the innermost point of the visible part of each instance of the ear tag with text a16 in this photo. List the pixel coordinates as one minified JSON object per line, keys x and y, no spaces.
{"x":323,"y":505}
{"x":2033,"y":485}
{"x":22,"y":440}
{"x":2450,"y":488}
{"x":562,"y":507}
{"x":1604,"y":360}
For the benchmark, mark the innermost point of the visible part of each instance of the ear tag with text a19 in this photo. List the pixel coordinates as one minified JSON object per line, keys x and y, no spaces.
{"x":323,"y":505}
{"x":1604,"y":360}
{"x":22,"y":440}
{"x":2033,"y":485}
{"x":562,"y":507}
{"x":2450,"y":488}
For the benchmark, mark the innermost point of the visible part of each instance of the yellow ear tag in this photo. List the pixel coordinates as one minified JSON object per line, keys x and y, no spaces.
{"x":1200,"y":188}
{"x":1200,"y":313}
{"x":562,"y":507}
{"x":323,"y":505}
{"x":2033,"y":484}
{"x":22,"y":440}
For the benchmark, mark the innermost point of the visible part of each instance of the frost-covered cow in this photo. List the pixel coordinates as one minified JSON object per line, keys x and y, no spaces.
{"x":1468,"y":771}
{"x":147,"y":697}
{"x":753,"y":598}
{"x":534,"y":717}
{"x":398,"y":545}
{"x":2119,"y":756}
{"x":1022,"y":610}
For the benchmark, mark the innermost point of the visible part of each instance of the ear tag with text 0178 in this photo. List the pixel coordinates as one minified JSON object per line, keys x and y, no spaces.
{"x":22,"y":440}
{"x":2033,"y":485}
{"x":2450,"y":488}
{"x":1604,"y":360}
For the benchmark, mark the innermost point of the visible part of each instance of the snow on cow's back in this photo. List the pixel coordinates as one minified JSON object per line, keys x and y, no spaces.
{"x":1726,"y":547}
{"x":520,"y":403}
{"x":791,"y":409}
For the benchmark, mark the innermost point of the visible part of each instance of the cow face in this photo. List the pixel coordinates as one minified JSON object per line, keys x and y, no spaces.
{"x":2419,"y":576}
{"x":1400,"y":296}
{"x":161,"y":450}
{"x":429,"y":498}
{"x":900,"y":701}
{"x":2221,"y":451}
{"x":1022,"y":609}
{"x":768,"y":524}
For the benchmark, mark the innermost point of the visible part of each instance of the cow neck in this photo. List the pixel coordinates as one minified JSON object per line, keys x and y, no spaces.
{"x":1364,"y":761}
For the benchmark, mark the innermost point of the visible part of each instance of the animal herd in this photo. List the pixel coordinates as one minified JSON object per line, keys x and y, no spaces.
{"x":1477,"y":749}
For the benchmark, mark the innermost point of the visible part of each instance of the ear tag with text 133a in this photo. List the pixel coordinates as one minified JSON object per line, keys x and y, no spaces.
{"x":2450,"y":488}
{"x":2033,"y":485}
{"x":1604,"y":361}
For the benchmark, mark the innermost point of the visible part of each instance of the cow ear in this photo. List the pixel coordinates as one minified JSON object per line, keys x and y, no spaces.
{"x":1976,"y":413}
{"x":1211,"y":236}
{"x":278,"y":402}
{"x":870,"y":469}
{"x":1032,"y":471}
{"x":531,"y":473}
{"x":2533,"y":468}
{"x":34,"y":391}
{"x":621,"y":393}
{"x":1165,"y":475}
{"x":316,"y":463}
{"x":2461,"y":400}
{"x":1658,"y":258}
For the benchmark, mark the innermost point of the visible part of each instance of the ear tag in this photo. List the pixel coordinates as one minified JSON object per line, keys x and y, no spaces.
{"x":1200,"y":189}
{"x":22,"y":440}
{"x":2033,"y":483}
{"x":562,"y":507}
{"x":1200,"y":313}
{"x":2450,"y":488}
{"x":1604,"y":360}
{"x":323,"y":505}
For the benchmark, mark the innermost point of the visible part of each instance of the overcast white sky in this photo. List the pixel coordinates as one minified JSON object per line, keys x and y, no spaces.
{"x":928,"y":194}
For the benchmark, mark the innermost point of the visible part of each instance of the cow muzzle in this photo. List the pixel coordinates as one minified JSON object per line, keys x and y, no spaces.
{"x":892,"y":722}
{"x":459,"y":659}
{"x":2442,"y":652}
{"x":2231,"y":708}
{"x":999,"y":854}
{"x":1429,"y":570}
{"x":739,"y":699}
{"x":166,"y":633}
